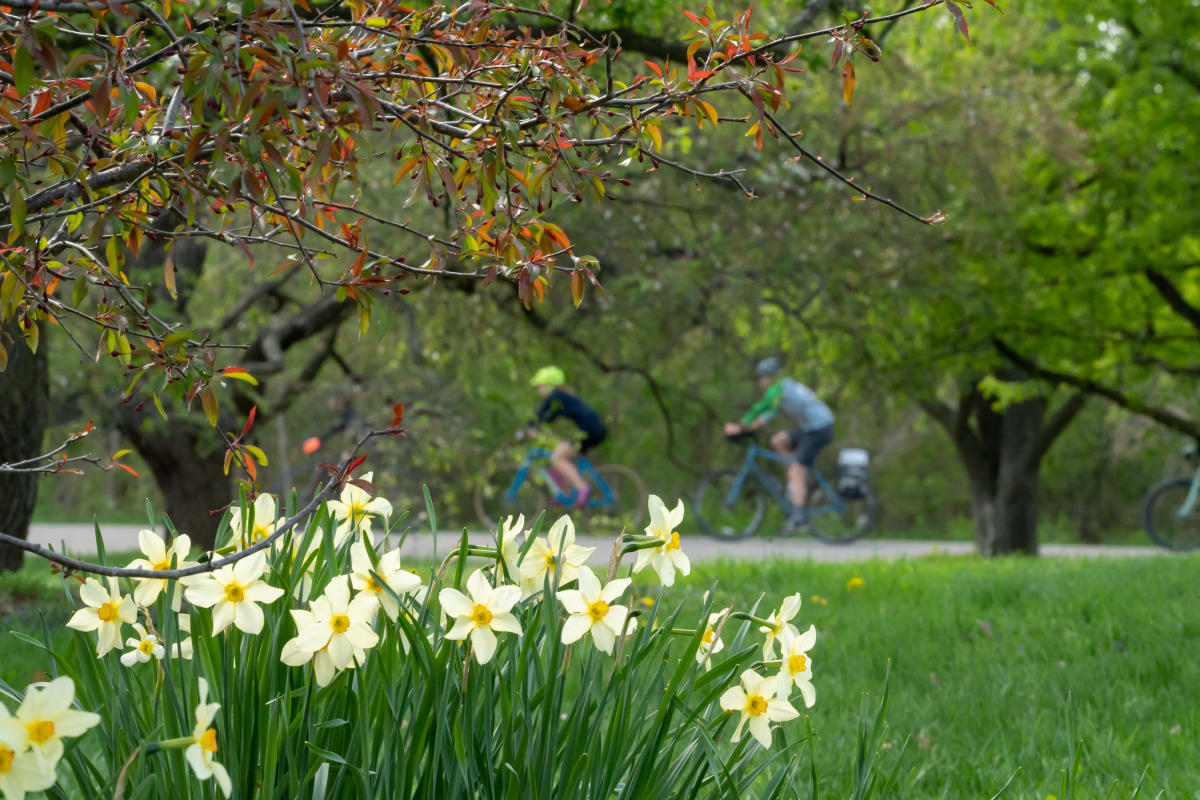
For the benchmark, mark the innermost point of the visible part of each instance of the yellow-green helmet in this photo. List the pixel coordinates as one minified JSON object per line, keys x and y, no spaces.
{"x":549,"y":376}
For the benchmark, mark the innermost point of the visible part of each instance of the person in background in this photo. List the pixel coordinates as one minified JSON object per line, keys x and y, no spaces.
{"x":558,"y":402}
{"x":811,"y":431}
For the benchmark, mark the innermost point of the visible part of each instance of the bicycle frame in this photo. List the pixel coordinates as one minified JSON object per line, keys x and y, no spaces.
{"x":1189,"y":502}
{"x":534,"y":463}
{"x":750,"y":468}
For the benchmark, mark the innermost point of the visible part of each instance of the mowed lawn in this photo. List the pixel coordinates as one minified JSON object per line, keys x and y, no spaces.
{"x":999,"y":669}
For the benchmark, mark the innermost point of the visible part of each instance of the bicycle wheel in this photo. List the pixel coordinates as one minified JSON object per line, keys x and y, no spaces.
{"x":722,"y":517}
{"x":1160,"y":514}
{"x":628,"y":504}
{"x":492,"y":501}
{"x":854,"y":521}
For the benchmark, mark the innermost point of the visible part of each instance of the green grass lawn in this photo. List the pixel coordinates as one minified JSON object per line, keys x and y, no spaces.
{"x":984,"y":656}
{"x":987,"y":657}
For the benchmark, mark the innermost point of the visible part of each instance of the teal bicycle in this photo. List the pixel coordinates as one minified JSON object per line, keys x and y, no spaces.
{"x":617,"y":499}
{"x":1170,"y":513}
{"x":732,"y":503}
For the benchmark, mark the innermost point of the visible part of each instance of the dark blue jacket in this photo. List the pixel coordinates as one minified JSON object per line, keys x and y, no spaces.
{"x":561,"y":403}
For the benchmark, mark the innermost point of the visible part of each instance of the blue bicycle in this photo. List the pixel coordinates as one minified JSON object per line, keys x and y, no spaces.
{"x":617,"y":498}
{"x":732,"y":503}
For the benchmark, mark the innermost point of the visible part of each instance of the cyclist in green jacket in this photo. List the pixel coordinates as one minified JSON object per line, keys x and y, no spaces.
{"x":811,"y":431}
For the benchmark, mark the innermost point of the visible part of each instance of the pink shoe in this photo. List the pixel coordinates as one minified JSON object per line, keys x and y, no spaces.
{"x":582,"y":497}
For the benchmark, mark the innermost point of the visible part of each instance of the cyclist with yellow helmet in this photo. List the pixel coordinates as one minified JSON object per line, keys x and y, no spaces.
{"x":558,"y":402}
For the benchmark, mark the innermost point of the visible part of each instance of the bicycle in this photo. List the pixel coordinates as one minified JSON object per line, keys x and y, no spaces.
{"x":731,"y":503}
{"x":618,"y":496}
{"x":1169,"y":511}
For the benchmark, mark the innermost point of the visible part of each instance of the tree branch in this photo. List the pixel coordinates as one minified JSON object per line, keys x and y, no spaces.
{"x":1163,"y":285}
{"x":1057,"y":423}
{"x":77,"y":565}
{"x":1160,"y":415}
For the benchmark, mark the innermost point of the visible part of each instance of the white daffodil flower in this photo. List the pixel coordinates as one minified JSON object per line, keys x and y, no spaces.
{"x":233,"y":592}
{"x":381,"y":581}
{"x":510,"y":545}
{"x":668,"y":558}
{"x":710,"y":643}
{"x":46,"y":716}
{"x":21,"y":770}
{"x":104,"y":611}
{"x":420,"y":595}
{"x":755,"y":699}
{"x":263,"y":525}
{"x":340,"y":624}
{"x":355,"y":510}
{"x":143,"y":647}
{"x":797,"y":666}
{"x":545,"y":554}
{"x":589,"y":610}
{"x":199,"y":753}
{"x":184,"y":649}
{"x":158,"y":558}
{"x":480,"y":613}
{"x":780,"y":622}
{"x":295,"y":656}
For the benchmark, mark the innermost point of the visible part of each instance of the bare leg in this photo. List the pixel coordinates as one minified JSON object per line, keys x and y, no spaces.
{"x":797,"y":474}
{"x":563,"y":459}
{"x":797,"y":484}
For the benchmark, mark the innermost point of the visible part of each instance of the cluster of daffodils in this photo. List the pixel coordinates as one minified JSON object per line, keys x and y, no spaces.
{"x":340,"y":609}
{"x":31,"y":741}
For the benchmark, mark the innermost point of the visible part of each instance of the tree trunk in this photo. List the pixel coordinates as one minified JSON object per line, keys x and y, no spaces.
{"x":187,"y":462}
{"x":24,"y":396}
{"x":1002,"y":452}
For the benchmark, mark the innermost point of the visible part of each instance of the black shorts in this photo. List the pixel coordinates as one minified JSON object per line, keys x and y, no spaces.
{"x":807,"y":444}
{"x":591,"y":439}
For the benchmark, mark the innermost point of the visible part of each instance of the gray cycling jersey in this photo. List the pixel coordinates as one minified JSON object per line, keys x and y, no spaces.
{"x":795,"y":400}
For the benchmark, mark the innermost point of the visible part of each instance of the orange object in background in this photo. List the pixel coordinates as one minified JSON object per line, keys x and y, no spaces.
{"x":311,"y":445}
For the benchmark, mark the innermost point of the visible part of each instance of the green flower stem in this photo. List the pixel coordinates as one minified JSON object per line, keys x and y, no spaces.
{"x":170,"y":744}
{"x":648,"y":543}
{"x":752,"y":618}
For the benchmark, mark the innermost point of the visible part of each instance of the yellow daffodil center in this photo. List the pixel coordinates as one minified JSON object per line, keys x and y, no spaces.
{"x":598,"y":610}
{"x":358,"y":510}
{"x":235,"y":593}
{"x":373,"y":585}
{"x":159,"y":566}
{"x":550,"y":561}
{"x":482,"y":615}
{"x":260,"y":532}
{"x":708,"y":635}
{"x":146,"y":646}
{"x":673,"y":541}
{"x":340,"y":623}
{"x":208,"y":740}
{"x":797,"y":662}
{"x":107,"y":612}
{"x":756,"y":705}
{"x":6,"y":759}
{"x":40,"y":730}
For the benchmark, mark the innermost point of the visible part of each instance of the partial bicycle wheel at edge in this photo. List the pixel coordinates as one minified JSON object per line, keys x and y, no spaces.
{"x":491,"y":499}
{"x":854,"y":522}
{"x":1160,"y":515}
{"x":735,"y":520}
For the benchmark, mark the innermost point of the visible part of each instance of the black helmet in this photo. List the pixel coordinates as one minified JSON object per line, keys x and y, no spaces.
{"x":768,"y":366}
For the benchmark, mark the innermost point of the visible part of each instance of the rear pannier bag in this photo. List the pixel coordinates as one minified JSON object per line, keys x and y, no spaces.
{"x":853,"y":471}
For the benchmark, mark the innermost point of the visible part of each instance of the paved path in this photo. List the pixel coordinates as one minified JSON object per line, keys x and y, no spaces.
{"x":80,"y":540}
